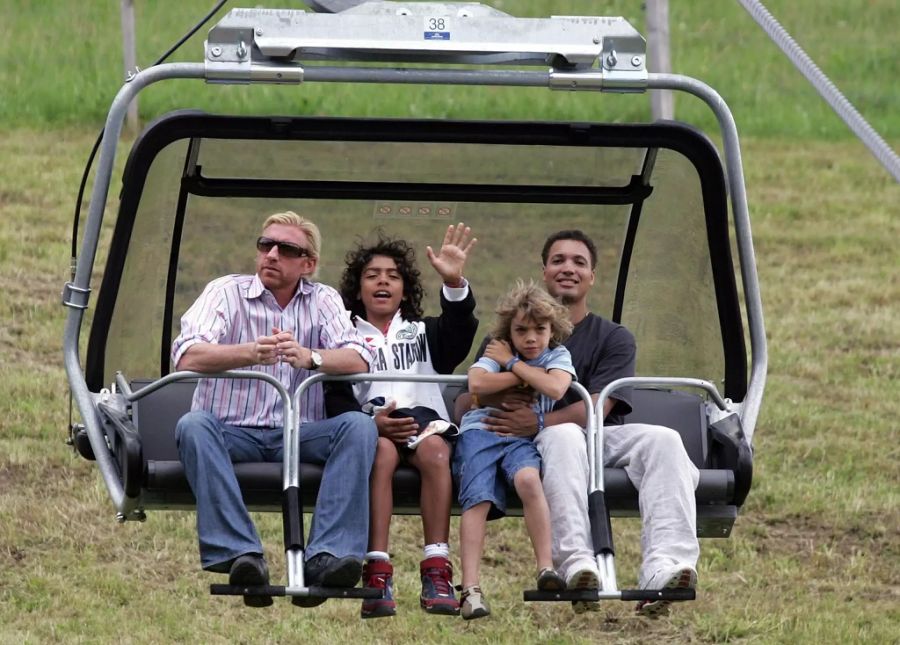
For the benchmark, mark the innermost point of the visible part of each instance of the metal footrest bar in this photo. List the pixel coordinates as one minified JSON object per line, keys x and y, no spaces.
{"x":593,"y":595}
{"x":536,"y":595}
{"x":311,"y":592}
{"x":676,"y":595}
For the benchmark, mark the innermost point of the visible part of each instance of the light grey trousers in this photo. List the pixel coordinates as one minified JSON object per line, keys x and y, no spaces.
{"x":656,"y":463}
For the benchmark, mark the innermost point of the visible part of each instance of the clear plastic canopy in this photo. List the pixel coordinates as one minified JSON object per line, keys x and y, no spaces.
{"x":193,"y":206}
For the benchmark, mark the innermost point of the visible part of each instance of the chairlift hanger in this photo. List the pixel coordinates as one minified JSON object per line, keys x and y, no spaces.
{"x":269,"y":45}
{"x":447,"y":40}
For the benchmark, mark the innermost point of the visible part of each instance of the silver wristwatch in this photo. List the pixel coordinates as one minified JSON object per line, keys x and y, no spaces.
{"x":315,"y":359}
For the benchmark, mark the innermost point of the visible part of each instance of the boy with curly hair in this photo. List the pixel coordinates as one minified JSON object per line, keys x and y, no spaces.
{"x":381,"y":287}
{"x":526,"y":351}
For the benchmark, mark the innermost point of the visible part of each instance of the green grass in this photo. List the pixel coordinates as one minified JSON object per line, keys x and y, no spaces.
{"x":65,"y":66}
{"x":815,"y":555}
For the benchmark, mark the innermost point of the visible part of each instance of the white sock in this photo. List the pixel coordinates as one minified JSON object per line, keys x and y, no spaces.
{"x":437,"y":550}
{"x":377,"y":555}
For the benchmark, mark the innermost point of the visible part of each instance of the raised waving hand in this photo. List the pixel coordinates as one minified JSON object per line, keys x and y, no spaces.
{"x":450,"y":260}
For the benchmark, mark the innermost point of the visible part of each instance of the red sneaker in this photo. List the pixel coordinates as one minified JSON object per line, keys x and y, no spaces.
{"x":379,"y":574}
{"x":437,"y":587}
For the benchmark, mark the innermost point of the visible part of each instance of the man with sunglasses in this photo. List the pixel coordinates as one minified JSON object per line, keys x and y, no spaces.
{"x":280,"y":322}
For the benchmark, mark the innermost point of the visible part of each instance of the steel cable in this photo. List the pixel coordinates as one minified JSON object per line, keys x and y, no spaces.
{"x":832,"y":95}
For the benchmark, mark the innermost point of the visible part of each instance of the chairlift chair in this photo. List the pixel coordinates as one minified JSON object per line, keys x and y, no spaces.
{"x":195,"y":185}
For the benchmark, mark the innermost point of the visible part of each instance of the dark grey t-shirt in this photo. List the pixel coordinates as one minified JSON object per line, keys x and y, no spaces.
{"x":602,"y":351}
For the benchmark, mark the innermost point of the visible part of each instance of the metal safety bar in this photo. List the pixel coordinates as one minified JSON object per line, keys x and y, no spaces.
{"x":135,"y":395}
{"x":647,"y":381}
{"x":294,"y":556}
{"x":290,"y":480}
{"x":125,"y":388}
{"x":605,"y":554}
{"x":601,"y":529}
{"x":131,"y":396}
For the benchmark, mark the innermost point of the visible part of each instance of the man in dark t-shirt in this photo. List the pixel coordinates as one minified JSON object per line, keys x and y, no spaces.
{"x":653,"y":457}
{"x":602,"y":351}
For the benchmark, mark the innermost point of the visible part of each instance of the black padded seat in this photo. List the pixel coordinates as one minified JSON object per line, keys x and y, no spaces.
{"x":684,"y":412}
{"x":164,"y":485}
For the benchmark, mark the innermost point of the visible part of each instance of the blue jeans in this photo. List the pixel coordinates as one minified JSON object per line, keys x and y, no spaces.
{"x":344,"y":444}
{"x":479,"y":458}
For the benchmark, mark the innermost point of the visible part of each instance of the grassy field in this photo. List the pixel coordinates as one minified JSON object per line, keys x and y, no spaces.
{"x":815,"y":555}
{"x":74,"y":80}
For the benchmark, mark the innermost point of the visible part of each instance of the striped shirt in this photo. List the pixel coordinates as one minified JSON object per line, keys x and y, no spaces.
{"x":237,"y":309}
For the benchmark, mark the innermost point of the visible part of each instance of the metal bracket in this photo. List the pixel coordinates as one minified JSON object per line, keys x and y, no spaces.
{"x":604,"y":81}
{"x":715,"y":413}
{"x":624,"y":65}
{"x":574,"y":81}
{"x":75,"y":297}
{"x":623,"y":69}
{"x":137,"y":515}
{"x":233,"y":57}
{"x":245,"y":73}
{"x":418,"y":32}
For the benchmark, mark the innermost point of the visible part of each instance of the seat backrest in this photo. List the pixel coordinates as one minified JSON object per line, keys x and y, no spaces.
{"x":451,"y":391}
{"x":156,"y":415}
{"x":682,"y":411}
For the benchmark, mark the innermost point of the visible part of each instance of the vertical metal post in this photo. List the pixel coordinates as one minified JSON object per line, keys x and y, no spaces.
{"x":662,"y":102}
{"x":130,"y":60}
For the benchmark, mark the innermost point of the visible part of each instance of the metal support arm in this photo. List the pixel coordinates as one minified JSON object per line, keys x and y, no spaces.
{"x":759,"y":353}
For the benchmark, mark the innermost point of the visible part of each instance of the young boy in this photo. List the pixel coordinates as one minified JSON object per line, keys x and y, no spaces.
{"x":381,"y":287}
{"x":526,"y":351}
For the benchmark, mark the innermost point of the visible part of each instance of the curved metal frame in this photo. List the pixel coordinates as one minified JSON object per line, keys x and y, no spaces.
{"x":606,"y":561}
{"x":129,"y":504}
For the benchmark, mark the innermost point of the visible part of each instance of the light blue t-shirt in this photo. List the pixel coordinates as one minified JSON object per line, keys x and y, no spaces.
{"x":557,"y":358}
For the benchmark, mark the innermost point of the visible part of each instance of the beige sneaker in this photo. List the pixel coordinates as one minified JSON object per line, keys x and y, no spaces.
{"x":679,"y":576}
{"x":473,"y":605}
{"x":582,"y":578}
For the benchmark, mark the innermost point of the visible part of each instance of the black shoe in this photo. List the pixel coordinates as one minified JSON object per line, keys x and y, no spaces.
{"x":325,"y":570}
{"x":307,"y":601}
{"x":250,"y":570}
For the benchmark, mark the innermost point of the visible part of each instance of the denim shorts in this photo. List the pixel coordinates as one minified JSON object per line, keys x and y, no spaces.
{"x":478,"y":460}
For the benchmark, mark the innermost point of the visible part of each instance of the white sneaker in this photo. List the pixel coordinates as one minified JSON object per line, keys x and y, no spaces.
{"x":678,"y":576}
{"x":582,"y":577}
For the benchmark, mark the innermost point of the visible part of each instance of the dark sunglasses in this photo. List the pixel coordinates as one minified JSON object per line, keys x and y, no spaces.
{"x":286,"y":249}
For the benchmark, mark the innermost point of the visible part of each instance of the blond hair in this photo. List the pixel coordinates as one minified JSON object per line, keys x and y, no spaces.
{"x":536,"y":304}
{"x":313,"y":235}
